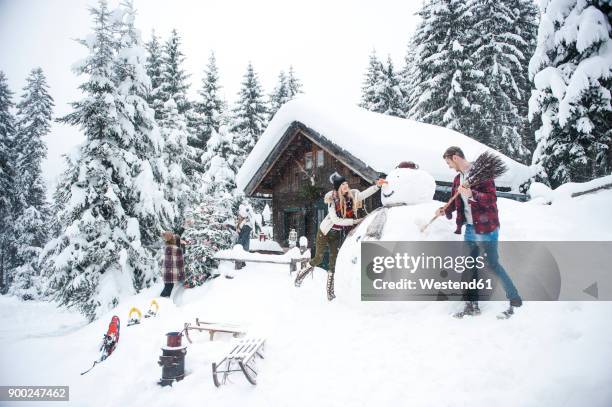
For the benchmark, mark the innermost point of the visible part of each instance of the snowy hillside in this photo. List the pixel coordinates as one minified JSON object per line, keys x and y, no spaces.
{"x":337,"y":354}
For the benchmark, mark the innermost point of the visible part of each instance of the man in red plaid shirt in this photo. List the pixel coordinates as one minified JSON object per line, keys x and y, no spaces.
{"x":477,"y":208}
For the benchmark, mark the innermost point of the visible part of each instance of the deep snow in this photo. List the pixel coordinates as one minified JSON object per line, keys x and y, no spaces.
{"x":339,"y":353}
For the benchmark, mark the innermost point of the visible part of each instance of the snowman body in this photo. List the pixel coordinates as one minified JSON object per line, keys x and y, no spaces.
{"x":408,"y":204}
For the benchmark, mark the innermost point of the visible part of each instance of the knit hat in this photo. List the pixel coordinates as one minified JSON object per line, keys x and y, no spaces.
{"x":408,"y":164}
{"x":337,"y":180}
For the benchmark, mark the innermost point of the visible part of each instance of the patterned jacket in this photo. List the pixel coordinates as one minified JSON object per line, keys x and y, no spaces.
{"x":483,"y":203}
{"x":172,"y":264}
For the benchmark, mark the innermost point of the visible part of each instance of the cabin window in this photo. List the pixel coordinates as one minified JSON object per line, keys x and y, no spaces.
{"x":320,"y":158}
{"x":308,"y":161}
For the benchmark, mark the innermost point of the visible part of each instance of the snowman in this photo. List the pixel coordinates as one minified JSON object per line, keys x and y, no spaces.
{"x":408,"y":204}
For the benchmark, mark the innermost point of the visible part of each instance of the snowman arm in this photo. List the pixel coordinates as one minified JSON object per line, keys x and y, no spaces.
{"x":366,"y":193}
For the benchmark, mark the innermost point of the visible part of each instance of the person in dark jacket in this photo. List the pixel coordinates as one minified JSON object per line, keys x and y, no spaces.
{"x":172,"y":268}
{"x":477,"y":209}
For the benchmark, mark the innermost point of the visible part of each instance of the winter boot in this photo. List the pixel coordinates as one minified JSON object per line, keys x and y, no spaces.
{"x":330,"y":286}
{"x":301,"y":275}
{"x":471,"y":308}
{"x":516,"y":302}
{"x":507,"y":313}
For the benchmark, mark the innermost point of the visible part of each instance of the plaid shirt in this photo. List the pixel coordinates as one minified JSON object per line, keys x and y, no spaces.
{"x":483,"y":203}
{"x":172,"y":265}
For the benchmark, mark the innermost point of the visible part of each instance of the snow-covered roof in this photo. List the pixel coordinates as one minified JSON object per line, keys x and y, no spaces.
{"x":380,"y":141}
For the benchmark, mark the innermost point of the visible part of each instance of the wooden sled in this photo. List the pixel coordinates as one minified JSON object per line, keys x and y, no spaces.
{"x":212,"y":328}
{"x":241,"y":358}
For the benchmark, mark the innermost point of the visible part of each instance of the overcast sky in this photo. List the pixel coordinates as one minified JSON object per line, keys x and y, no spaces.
{"x":327,"y":42}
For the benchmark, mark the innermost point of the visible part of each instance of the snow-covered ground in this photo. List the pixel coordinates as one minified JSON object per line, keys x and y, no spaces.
{"x":334,"y":354}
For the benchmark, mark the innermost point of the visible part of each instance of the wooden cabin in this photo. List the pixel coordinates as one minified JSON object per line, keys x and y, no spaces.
{"x":296,"y":175}
{"x":308,"y":140}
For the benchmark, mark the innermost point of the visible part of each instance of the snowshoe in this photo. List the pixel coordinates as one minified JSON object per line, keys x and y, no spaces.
{"x":471,"y":309}
{"x":109,"y":342}
{"x":134,"y":316}
{"x":153,"y":309}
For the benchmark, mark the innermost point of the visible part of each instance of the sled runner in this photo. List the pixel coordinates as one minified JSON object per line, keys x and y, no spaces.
{"x":241,"y":358}
{"x":212,"y":328}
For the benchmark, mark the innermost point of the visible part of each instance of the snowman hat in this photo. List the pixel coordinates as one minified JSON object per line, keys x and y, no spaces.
{"x":337,"y":180}
{"x":408,"y":164}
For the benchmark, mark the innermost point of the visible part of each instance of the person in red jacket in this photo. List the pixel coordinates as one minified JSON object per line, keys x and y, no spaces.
{"x":477,"y":209}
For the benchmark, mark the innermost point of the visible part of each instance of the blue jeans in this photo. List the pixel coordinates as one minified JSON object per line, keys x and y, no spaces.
{"x":487,"y":242}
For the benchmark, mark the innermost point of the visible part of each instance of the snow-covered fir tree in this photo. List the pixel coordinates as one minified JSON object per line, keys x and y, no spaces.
{"x":526,"y":26}
{"x":155,"y":73}
{"x":572,"y":72}
{"x":389,"y":94}
{"x":7,"y":184}
{"x":149,"y":170}
{"x":210,"y":107}
{"x":31,"y":211}
{"x":442,"y":75}
{"x":174,"y":87}
{"x":371,"y":82}
{"x":294,"y":84}
{"x":249,"y":114}
{"x":381,"y":91}
{"x":497,"y":51}
{"x":178,"y":189}
{"x":206,"y":226}
{"x":280,"y":94}
{"x":407,"y":79}
{"x":174,"y":83}
{"x":206,"y":233}
{"x":99,"y":254}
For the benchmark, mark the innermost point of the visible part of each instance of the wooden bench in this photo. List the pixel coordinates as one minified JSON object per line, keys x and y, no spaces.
{"x":293,"y":263}
{"x":241,"y":358}
{"x":212,"y":328}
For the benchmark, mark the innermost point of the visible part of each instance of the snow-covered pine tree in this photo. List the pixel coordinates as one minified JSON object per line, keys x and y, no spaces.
{"x":155,"y":73}
{"x":371,"y":83}
{"x":206,"y":233}
{"x":99,"y":255}
{"x":32,"y":212}
{"x":210,"y":107}
{"x":294,"y":85}
{"x":443,"y":77}
{"x":206,"y":228}
{"x":178,"y":189}
{"x":388,"y":93}
{"x":249,"y":114}
{"x":280,"y":95}
{"x":496,"y":50}
{"x":572,"y":72}
{"x":174,"y":83}
{"x":149,"y":171}
{"x":407,"y":81}
{"x":174,"y":86}
{"x":7,"y":184}
{"x":526,"y":26}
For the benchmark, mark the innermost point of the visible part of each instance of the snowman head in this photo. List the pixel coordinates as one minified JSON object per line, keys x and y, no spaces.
{"x":408,"y":186}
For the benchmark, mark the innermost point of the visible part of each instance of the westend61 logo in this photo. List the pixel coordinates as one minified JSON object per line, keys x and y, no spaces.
{"x":540,"y":271}
{"x":423,"y":263}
